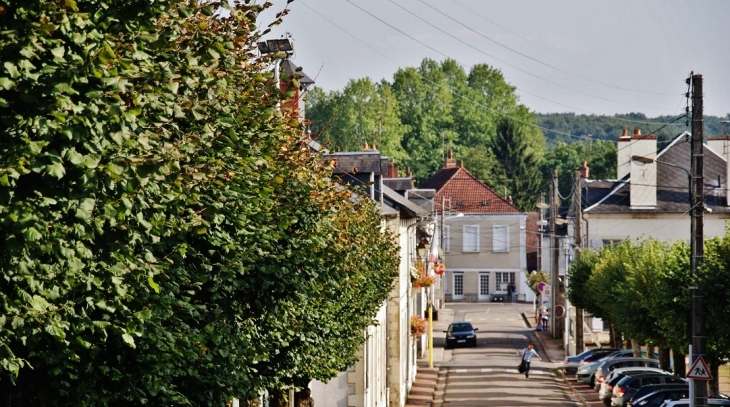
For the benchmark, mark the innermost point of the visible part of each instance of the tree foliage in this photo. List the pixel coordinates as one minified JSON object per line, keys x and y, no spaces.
{"x":166,"y":239}
{"x":642,"y":287}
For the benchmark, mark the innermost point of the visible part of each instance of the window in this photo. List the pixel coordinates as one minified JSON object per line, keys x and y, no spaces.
{"x":483,"y":284}
{"x":447,"y":238}
{"x":471,"y":239}
{"x":500,"y":238}
{"x":458,"y":284}
{"x":504,"y":278}
{"x":610,"y":242}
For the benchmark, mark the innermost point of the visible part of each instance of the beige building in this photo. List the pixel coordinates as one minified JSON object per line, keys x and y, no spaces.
{"x":484,"y":234}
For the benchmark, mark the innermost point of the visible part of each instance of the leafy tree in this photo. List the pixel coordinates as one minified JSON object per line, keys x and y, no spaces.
{"x":362,"y":113}
{"x":424,"y":101}
{"x":713,"y":283}
{"x":165,"y":236}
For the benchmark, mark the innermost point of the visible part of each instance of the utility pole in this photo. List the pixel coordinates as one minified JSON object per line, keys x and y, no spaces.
{"x":442,"y":243}
{"x":579,"y":246}
{"x":555,"y":327}
{"x":697,"y":313}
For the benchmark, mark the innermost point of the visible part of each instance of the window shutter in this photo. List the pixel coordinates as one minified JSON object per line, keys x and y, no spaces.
{"x":500,"y":238}
{"x":471,"y":239}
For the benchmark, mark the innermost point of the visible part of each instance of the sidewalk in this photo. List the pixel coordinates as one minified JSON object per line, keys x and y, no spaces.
{"x":429,"y":386}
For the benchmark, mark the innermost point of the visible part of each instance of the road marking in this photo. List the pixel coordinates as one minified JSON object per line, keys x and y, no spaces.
{"x":461,"y":370}
{"x":486,"y":370}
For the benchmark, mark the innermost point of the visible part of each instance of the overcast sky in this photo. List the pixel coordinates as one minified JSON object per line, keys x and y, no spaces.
{"x":587,"y":57}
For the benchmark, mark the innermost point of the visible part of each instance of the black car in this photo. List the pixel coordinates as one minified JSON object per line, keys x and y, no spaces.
{"x":658,"y":397}
{"x":639,"y":398}
{"x":460,"y":333}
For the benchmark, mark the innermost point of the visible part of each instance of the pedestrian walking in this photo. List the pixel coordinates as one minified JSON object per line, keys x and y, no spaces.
{"x":545,"y":317}
{"x":527,"y":355}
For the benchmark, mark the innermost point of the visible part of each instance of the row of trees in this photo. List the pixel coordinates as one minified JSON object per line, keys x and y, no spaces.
{"x":569,"y":127}
{"x":165,"y":238}
{"x":436,"y":107}
{"x":642,"y":288}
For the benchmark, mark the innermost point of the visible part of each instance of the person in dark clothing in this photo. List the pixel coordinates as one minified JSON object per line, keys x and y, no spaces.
{"x":511,"y":291}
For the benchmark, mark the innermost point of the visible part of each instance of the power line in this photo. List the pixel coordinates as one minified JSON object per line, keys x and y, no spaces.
{"x":535,"y":59}
{"x":545,"y":129}
{"x":502,"y":61}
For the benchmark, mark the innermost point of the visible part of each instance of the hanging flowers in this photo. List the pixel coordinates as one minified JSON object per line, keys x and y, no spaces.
{"x":419,"y":276}
{"x":419,"y":325}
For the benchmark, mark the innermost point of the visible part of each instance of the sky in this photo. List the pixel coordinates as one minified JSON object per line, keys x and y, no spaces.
{"x":586,"y":57}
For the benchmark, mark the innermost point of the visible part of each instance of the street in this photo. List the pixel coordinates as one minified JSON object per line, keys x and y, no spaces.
{"x":487,"y":375}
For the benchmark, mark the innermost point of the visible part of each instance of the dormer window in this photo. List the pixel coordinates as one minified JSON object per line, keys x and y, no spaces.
{"x":459,"y":203}
{"x":485,"y":202}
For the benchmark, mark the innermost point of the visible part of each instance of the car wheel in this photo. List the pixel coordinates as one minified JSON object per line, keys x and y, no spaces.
{"x":593,"y":381}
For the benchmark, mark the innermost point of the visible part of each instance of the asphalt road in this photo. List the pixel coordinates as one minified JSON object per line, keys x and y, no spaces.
{"x":487,"y":375}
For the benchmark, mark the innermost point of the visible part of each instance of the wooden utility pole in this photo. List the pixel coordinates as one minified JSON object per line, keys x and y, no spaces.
{"x":697,"y":210}
{"x":555,"y":327}
{"x":579,"y":246}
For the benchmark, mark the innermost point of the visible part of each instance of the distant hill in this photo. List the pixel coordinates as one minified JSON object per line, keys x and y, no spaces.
{"x":570,"y":127}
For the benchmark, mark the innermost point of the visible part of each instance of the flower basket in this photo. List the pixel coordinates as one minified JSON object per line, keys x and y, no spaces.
{"x":419,"y":325}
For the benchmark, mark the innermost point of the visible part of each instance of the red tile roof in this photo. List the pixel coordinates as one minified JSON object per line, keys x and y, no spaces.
{"x":466,"y":193}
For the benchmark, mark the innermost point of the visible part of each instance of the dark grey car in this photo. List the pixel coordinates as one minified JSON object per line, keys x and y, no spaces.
{"x":460,"y":333}
{"x":629,"y":385}
{"x":655,"y":388}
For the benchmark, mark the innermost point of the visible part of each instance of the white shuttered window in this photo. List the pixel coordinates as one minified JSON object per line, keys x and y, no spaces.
{"x":471,"y":239}
{"x":500,"y":238}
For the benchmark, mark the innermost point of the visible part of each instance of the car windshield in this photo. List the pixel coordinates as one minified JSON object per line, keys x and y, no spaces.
{"x":461,"y":327}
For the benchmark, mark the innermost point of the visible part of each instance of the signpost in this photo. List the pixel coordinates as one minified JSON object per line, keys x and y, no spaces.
{"x":699,"y":370}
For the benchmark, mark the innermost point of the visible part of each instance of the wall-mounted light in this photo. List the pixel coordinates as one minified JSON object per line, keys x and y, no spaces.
{"x":422,"y":248}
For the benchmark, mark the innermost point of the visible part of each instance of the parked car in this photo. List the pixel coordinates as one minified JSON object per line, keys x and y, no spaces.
{"x":628,"y":386}
{"x":607,"y":366}
{"x":606,"y":391}
{"x":685,"y":402}
{"x":659,"y":389}
{"x":460,"y":333}
{"x":656,"y":398}
{"x":571,"y":363}
{"x":586,"y":371}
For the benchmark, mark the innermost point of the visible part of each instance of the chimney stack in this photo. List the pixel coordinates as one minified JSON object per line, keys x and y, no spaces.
{"x":584,"y":170}
{"x":450,"y":162}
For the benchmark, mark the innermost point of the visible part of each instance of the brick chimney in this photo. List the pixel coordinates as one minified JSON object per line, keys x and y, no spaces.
{"x":392,"y":170}
{"x":450,"y":162}
{"x":293,"y":108}
{"x":584,"y":170}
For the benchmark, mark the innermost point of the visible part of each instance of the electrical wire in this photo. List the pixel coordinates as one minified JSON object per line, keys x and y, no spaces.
{"x":537,"y":60}
{"x":463,"y":65}
{"x":502,"y":61}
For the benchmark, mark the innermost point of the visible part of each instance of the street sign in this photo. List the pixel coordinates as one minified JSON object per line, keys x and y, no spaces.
{"x":699,"y":370}
{"x":541,"y":286}
{"x":547,"y":290}
{"x":559,"y":311}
